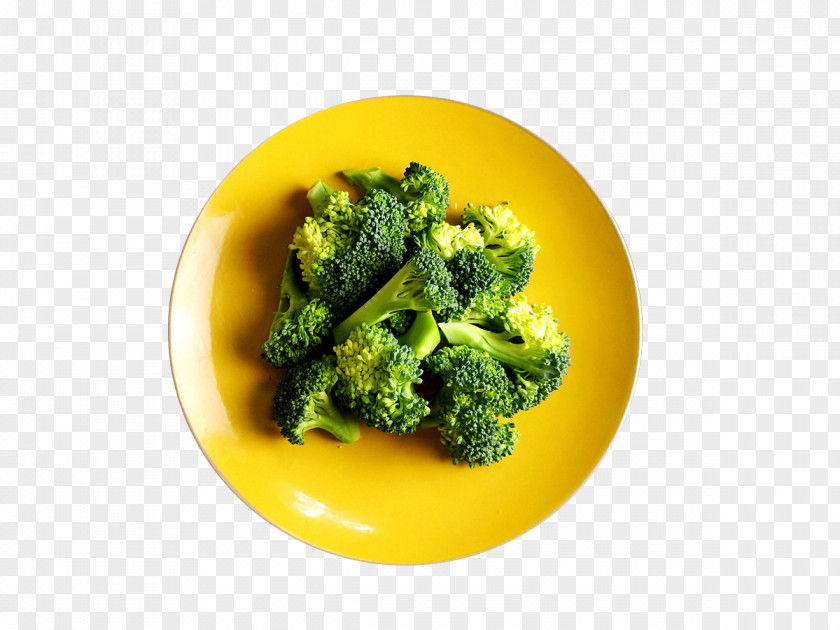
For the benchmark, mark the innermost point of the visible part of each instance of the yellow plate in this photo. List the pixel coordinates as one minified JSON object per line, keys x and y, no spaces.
{"x":399,"y":499}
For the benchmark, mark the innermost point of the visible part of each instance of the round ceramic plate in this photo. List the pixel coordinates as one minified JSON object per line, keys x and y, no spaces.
{"x":386,"y":498}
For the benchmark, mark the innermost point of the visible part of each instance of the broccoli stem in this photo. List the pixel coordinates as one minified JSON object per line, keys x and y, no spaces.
{"x":330,"y":418}
{"x":499,"y":346}
{"x":292,"y":297}
{"x":319,"y":197}
{"x":423,"y":336}
{"x":483,"y":320}
{"x":398,"y":294}
{"x":375,"y":178}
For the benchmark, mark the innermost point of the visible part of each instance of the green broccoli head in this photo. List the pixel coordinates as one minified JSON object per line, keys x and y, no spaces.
{"x":303,"y":401}
{"x":423,"y":192}
{"x":508,"y":244}
{"x":333,"y":206}
{"x":376,"y":379}
{"x":346,"y":251}
{"x":526,"y":339}
{"x":475,"y":392}
{"x":447,"y":239}
{"x":300,"y":326}
{"x":530,"y":390}
{"x":470,"y":378}
{"x":535,"y":323}
{"x":422,"y":284}
{"x":476,"y":436}
{"x":536,"y":326}
{"x":426,"y":196}
{"x":477,"y":282}
{"x":400,"y":322}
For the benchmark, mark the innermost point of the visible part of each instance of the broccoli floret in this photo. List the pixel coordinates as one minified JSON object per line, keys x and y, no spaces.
{"x":471,"y":378}
{"x":535,"y":359}
{"x":476,"y":391}
{"x":477,"y":282}
{"x":300,"y":326}
{"x":477,"y":437}
{"x":376,"y":379}
{"x":507,"y":243}
{"x":526,"y":339}
{"x":423,"y":191}
{"x":303,"y":401}
{"x":345,"y":250}
{"x":422,"y":284}
{"x":400,"y":322}
{"x":529,"y":390}
{"x":332,"y":205}
{"x":447,"y":239}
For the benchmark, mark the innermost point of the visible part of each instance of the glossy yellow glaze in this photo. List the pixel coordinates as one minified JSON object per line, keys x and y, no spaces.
{"x":387,"y":498}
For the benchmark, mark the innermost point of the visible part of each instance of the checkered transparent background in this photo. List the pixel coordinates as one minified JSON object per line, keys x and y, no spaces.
{"x":711,"y":130}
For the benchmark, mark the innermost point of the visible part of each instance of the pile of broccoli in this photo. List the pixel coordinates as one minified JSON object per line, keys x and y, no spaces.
{"x":381,"y":295}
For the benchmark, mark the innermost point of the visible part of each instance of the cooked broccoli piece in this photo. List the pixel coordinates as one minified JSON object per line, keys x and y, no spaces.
{"x":471,"y":378}
{"x":507,"y":243}
{"x":303,"y":401}
{"x":477,"y":282}
{"x":474,"y":276}
{"x":422,"y":284}
{"x":332,"y":205}
{"x":523,"y":337}
{"x":447,"y":239}
{"x":535,"y":359}
{"x":424,"y":192}
{"x":476,"y":436}
{"x":423,"y":336}
{"x":400,"y":322}
{"x":376,"y":380}
{"x":530,"y":390}
{"x":300,"y":325}
{"x":388,"y":269}
{"x":476,"y":391}
{"x":345,"y":250}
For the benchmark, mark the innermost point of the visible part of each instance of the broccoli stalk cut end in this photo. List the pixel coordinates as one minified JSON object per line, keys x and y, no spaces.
{"x":423,"y":336}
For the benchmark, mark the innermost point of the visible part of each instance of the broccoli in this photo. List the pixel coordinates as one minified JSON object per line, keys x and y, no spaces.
{"x":400,"y":322}
{"x":424,"y":192}
{"x":422,"y":284}
{"x":423,"y":336}
{"x":530,"y":391}
{"x":447,"y":239}
{"x":474,"y":277}
{"x":507,"y":243}
{"x":477,"y":282}
{"x":303,"y":401}
{"x":345,"y":250}
{"x":385,"y":277}
{"x":523,"y":337}
{"x":476,"y":390}
{"x":300,"y":326}
{"x":471,"y":378}
{"x":376,"y":380}
{"x":535,"y":359}
{"x":476,"y":436}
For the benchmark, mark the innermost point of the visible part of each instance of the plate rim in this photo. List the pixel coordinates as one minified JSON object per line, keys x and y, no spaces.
{"x":601,"y":457}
